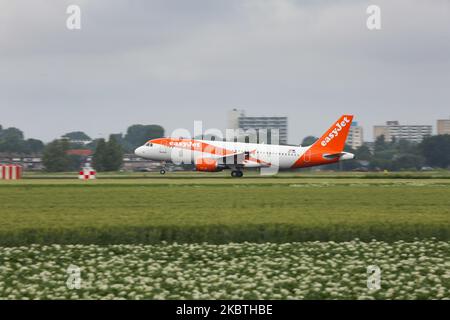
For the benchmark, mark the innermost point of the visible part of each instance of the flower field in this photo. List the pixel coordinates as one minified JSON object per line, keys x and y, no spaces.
{"x":307,"y":270}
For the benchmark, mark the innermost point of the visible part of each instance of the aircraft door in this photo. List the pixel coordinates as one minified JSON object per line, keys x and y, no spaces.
{"x":307,"y":157}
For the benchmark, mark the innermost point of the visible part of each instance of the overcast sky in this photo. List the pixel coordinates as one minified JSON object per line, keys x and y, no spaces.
{"x":172,"y":62}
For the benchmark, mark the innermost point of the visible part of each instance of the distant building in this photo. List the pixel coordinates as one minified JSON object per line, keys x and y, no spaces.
{"x":28,"y":162}
{"x":233,"y":118}
{"x":80,"y":152}
{"x":355,"y":137}
{"x":131,"y":162}
{"x":443,"y":126}
{"x":238,"y":120}
{"x":393,"y":130}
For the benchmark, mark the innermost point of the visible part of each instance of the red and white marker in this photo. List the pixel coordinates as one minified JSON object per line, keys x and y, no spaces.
{"x":87,"y":173}
{"x":10,"y":171}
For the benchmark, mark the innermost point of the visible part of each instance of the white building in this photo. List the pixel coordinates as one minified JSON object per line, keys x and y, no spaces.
{"x":393,"y":130}
{"x":233,"y":118}
{"x":355,"y":138}
{"x":238,"y":120}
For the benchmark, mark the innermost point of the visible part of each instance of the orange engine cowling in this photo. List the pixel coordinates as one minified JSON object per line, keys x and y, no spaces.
{"x":207,"y":164}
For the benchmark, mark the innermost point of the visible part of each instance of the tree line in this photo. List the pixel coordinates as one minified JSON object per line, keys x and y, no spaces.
{"x":397,"y":155}
{"x":433,"y":151}
{"x":107,"y":155}
{"x":12,"y":141}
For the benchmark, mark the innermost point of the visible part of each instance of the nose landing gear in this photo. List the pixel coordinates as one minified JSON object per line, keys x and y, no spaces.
{"x":163,"y":169}
{"x":237,"y":174}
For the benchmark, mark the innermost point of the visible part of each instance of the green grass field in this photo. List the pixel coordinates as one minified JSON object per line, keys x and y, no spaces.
{"x":215,"y":209}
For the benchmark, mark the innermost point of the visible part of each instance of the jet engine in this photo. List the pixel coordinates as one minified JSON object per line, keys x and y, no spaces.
{"x":208,"y":165}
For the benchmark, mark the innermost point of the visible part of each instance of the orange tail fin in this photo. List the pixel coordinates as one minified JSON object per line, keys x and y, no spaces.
{"x":331,"y":143}
{"x":334,"y":138}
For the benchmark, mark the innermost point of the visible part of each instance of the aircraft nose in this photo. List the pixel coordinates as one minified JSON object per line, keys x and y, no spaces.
{"x":139,"y":151}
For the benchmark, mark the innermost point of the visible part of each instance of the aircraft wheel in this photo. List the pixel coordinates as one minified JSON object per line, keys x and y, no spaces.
{"x":236,"y":174}
{"x":162,"y":171}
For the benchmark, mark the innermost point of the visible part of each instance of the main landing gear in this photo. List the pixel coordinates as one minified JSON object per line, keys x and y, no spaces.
{"x":237,"y":173}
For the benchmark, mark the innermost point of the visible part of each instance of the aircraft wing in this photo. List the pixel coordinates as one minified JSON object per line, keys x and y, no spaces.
{"x":243,"y":159}
{"x":235,"y":158}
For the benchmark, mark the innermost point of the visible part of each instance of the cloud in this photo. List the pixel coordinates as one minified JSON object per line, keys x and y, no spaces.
{"x":173,"y":62}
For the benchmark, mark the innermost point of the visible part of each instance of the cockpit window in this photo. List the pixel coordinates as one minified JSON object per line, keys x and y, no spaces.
{"x":149,"y":144}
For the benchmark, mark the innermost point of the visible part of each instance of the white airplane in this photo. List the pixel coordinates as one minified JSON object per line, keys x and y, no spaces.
{"x":213,"y":156}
